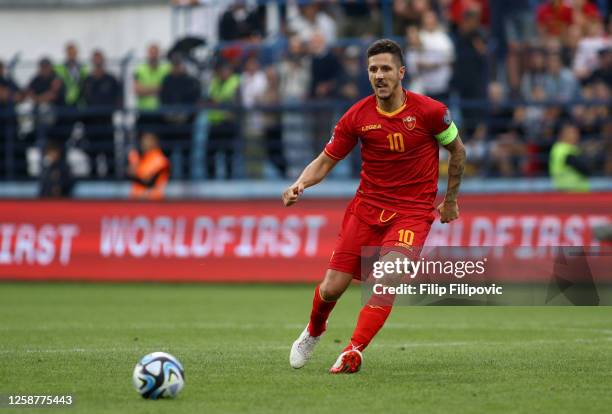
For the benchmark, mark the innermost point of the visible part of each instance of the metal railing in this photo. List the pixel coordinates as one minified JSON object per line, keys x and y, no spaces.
{"x":262,"y":142}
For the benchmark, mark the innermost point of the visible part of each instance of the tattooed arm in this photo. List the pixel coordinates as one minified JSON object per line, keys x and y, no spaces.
{"x":449,"y":210}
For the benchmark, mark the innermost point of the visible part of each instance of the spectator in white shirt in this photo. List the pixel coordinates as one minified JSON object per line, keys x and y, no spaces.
{"x":413,"y":53}
{"x":435,"y":58}
{"x":586,"y":59}
{"x":253,"y":85}
{"x":309,"y":19}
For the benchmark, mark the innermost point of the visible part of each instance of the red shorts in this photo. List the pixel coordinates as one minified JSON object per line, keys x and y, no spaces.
{"x":367,"y":225}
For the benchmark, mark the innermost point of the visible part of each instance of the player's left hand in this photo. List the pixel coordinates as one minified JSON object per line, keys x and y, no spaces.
{"x":449,"y":211}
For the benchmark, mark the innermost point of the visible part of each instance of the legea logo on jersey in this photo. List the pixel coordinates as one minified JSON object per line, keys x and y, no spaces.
{"x":370,"y":127}
{"x":410,"y":122}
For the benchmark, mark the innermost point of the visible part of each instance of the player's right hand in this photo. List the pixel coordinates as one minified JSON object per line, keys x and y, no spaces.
{"x":449,"y":211}
{"x":291,"y":194}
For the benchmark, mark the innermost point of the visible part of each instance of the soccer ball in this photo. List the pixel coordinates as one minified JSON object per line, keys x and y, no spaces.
{"x":158,"y":375}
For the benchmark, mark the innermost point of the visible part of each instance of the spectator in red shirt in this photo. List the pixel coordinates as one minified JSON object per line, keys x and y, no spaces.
{"x":584,"y":13}
{"x":457,"y":9}
{"x":554,"y":17}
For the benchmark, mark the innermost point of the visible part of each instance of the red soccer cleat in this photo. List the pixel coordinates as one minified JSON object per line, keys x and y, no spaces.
{"x":348,"y":362}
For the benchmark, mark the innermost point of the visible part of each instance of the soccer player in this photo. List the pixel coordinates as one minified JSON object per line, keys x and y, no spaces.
{"x":400,"y":133}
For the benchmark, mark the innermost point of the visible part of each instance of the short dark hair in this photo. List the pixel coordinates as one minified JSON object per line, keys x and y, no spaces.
{"x":45,"y":61}
{"x":386,"y":46}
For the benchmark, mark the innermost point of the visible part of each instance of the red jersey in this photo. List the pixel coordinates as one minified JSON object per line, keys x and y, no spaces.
{"x":554,"y":19}
{"x":399,"y":150}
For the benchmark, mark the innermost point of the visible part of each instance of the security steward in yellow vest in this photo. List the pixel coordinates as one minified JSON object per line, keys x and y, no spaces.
{"x":73,"y":74}
{"x":148,"y":79}
{"x":566,"y":167}
{"x":223,"y":124}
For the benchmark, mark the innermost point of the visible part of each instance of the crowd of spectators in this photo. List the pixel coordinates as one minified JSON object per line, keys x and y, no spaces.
{"x":513,"y":74}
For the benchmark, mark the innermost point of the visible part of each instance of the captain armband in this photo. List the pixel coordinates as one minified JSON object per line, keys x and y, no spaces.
{"x":448,"y":135}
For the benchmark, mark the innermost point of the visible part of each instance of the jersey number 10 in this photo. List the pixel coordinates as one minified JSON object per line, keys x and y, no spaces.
{"x":396,"y":142}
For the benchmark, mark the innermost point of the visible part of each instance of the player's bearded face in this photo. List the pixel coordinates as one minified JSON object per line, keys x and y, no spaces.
{"x":385,"y":75}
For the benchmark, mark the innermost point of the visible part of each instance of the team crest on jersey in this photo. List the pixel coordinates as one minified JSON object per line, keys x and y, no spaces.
{"x":410,"y":122}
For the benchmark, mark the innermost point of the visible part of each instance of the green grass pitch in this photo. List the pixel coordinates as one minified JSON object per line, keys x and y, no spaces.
{"x":234,"y":341}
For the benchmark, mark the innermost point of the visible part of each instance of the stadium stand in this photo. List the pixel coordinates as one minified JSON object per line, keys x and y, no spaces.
{"x":264,"y":91}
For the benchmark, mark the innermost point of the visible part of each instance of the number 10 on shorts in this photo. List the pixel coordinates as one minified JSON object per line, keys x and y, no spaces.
{"x":406,"y":236}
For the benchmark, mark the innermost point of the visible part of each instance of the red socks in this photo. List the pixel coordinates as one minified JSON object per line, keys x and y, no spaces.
{"x":319,"y":314}
{"x":371,"y":318}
